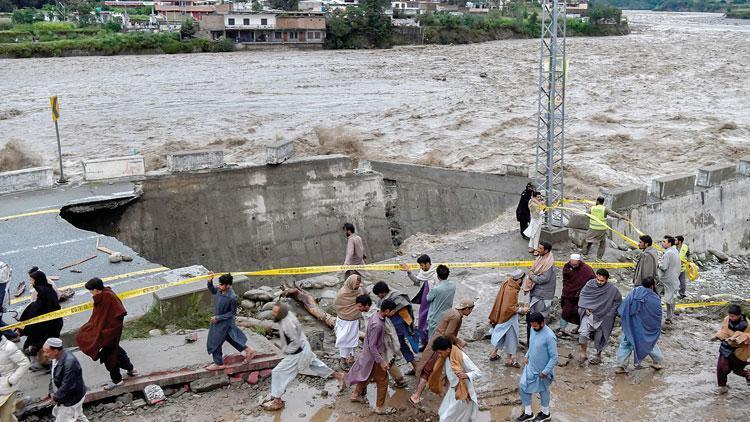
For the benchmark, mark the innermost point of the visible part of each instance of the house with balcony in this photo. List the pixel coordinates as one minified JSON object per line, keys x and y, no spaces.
{"x":180,"y":10}
{"x":266,"y":27}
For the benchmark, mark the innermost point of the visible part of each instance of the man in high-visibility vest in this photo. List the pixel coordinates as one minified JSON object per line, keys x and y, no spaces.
{"x":598,"y":227}
{"x":684,"y":253}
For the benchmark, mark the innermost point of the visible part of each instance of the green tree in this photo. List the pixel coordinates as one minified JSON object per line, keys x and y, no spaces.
{"x":26,"y":15}
{"x":256,"y":6}
{"x":284,"y":4}
{"x":188,"y":29}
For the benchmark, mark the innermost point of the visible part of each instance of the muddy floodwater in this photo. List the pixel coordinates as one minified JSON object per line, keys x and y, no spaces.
{"x":667,"y":98}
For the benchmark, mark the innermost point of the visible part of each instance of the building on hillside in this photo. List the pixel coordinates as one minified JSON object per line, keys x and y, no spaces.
{"x":180,"y":10}
{"x":577,"y":7}
{"x":266,"y":27}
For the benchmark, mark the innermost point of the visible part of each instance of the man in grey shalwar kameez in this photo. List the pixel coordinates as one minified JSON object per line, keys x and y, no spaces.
{"x":440,"y":298}
{"x":597,"y":307}
{"x":223,"y":327}
{"x":668,"y":283}
{"x":298,"y":357}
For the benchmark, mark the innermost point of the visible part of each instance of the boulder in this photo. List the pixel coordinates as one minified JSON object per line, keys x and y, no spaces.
{"x":327,"y":297}
{"x":258,"y":295}
{"x":267,"y":315}
{"x":155,"y":332}
{"x":268,"y":306}
{"x":247,"y":304}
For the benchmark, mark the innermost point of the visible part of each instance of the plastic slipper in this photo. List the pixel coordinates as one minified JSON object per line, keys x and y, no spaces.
{"x":494,"y":358}
{"x":112,"y":386}
{"x":414,"y":403}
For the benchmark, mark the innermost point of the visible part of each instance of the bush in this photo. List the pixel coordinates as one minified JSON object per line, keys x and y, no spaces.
{"x":222,"y":46}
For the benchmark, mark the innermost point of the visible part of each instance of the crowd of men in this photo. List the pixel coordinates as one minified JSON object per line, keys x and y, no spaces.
{"x":427,"y":340}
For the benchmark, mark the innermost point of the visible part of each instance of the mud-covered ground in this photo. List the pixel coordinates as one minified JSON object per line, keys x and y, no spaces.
{"x":683,"y":390}
{"x":667,"y":98}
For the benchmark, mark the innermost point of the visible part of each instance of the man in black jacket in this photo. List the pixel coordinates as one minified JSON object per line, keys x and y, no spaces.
{"x":66,"y":389}
{"x":523,"y":215}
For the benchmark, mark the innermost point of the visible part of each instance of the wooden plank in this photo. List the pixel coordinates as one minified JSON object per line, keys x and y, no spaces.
{"x":80,"y":261}
{"x":105,"y":249}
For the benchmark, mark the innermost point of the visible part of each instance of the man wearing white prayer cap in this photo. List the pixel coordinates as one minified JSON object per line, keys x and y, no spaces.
{"x":575,"y":275}
{"x":66,"y":389}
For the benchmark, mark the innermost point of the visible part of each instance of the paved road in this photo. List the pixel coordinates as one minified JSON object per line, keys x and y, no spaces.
{"x":33,"y":234}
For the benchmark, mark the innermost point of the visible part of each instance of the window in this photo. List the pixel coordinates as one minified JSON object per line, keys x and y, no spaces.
{"x":277,"y":35}
{"x":313,"y":35}
{"x":317,"y":35}
{"x":246,"y":21}
{"x":293,"y":35}
{"x":230,"y":21}
{"x":264,"y":21}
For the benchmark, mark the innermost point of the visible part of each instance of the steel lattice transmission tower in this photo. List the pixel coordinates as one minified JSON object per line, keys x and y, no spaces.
{"x":550,"y":129}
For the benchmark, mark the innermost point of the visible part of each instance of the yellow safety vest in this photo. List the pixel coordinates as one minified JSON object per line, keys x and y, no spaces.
{"x":600,"y":212}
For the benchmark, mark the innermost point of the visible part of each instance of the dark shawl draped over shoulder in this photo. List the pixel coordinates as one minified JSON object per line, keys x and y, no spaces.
{"x":603,"y":302}
{"x":46,"y":302}
{"x":574,"y":278}
{"x":104,"y":328}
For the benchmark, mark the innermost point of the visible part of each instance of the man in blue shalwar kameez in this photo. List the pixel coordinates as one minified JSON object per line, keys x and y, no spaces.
{"x":538,"y":370}
{"x":223,"y":327}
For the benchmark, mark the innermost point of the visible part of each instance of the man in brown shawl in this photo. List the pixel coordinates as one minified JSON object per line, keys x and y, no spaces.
{"x":99,"y":338}
{"x":448,"y":327}
{"x":541,"y":284}
{"x":504,"y":319}
{"x":597,"y":307}
{"x":348,"y":315}
{"x":575,"y":275}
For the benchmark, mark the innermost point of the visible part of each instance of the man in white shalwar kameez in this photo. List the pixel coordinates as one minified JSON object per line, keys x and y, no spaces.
{"x":460,"y":403}
{"x":298,"y":357}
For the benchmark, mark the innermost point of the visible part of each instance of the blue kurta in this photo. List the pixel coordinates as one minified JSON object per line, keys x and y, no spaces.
{"x":542,"y":357}
{"x":225,"y":327}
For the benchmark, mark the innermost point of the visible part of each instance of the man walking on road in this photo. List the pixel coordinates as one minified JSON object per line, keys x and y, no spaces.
{"x":13,"y":366}
{"x":669,"y":275}
{"x":541,"y":284}
{"x":598,"y":227}
{"x":538,"y":370}
{"x":355,"y":250}
{"x":648,"y":261}
{"x":67,"y":389}
{"x":576,"y":274}
{"x":597,"y":307}
{"x":640,"y":316}
{"x":223,"y":326}
{"x":99,"y":338}
{"x":426,"y":279}
{"x":372,"y":362}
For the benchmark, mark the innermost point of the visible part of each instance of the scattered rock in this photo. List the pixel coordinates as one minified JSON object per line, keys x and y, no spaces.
{"x":153,"y":394}
{"x":268,"y":306}
{"x":326,"y":298}
{"x":481,"y":331}
{"x":252,"y":378}
{"x":115,"y":258}
{"x":137,"y":403}
{"x":248,"y":304}
{"x":482,"y":74}
{"x":126,"y":398}
{"x":265,"y":315}
{"x":127,"y":258}
{"x":209,"y":384}
{"x":258,"y":295}
{"x":109,"y":406}
{"x":721,"y":256}
{"x":155,"y":332}
{"x":324,"y":393}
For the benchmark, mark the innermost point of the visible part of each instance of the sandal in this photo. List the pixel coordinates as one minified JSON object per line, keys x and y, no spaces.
{"x":514,"y":364}
{"x":400,"y":383}
{"x":386,"y":411}
{"x":111,"y":385}
{"x":494,"y":358}
{"x":357,"y":399}
{"x":273,"y":405}
{"x":415,"y":403}
{"x":595,"y":361}
{"x":214,"y":367}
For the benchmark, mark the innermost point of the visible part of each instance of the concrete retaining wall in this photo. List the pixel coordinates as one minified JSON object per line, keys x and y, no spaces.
{"x":195,"y":160}
{"x":114,"y":168}
{"x":257,"y":217}
{"x":715,"y":217}
{"x":434,"y":200}
{"x":26,"y":179}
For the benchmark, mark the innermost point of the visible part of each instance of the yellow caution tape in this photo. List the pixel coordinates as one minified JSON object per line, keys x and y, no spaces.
{"x":29,"y":214}
{"x":289,"y":271}
{"x":105,"y":279}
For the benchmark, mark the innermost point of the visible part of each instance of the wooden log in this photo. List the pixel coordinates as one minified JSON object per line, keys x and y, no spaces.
{"x":308,"y":301}
{"x":311,"y":306}
{"x":80,"y":261}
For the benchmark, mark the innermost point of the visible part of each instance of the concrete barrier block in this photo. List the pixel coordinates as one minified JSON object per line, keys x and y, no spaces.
{"x":558,"y":237}
{"x":743,"y":167}
{"x":578,"y":221}
{"x":113,"y":168}
{"x":713,"y":175}
{"x":517,"y":170}
{"x":195,"y":160}
{"x":675,"y":185}
{"x":26,"y":179}
{"x":279,"y":152}
{"x":625,"y":197}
